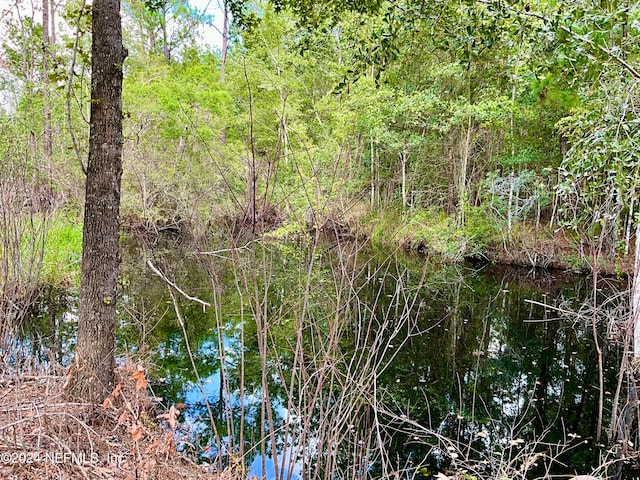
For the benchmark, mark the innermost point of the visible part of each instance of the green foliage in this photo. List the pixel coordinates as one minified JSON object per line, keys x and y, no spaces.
{"x":21,"y":50}
{"x":436,"y":125}
{"x":600,"y":174}
{"x":49,"y":253}
{"x":395,"y":108}
{"x":174,"y":118}
{"x":439,"y":234}
{"x":62,"y":253}
{"x":516,"y":195}
{"x":434,"y":232}
{"x":289,"y":230}
{"x":163,"y":28}
{"x":480,"y":230}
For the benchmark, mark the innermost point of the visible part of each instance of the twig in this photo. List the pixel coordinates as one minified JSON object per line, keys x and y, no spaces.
{"x":70,"y":88}
{"x":173,"y":285}
{"x":545,"y":305}
{"x":193,"y":363}
{"x":217,"y":253}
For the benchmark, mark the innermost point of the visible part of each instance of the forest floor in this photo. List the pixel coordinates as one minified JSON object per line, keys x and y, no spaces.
{"x":45,"y":436}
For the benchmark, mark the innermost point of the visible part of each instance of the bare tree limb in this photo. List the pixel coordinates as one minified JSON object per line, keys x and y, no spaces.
{"x":176,"y":287}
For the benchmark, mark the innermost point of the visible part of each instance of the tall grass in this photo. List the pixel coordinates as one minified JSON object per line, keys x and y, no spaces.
{"x":62,"y":252}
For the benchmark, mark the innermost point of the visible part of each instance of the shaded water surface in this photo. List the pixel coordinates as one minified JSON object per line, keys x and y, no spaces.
{"x":303,"y":351}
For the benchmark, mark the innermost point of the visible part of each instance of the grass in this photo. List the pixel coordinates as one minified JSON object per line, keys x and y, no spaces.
{"x":62,"y":252}
{"x":435,"y":232}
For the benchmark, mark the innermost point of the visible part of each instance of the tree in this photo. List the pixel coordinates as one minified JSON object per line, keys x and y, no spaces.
{"x":92,"y":375}
{"x":46,"y":45}
{"x":163,"y":27}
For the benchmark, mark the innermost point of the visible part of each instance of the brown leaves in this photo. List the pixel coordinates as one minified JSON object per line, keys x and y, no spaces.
{"x":108,"y":402}
{"x":129,"y":416}
{"x":125,"y":436}
{"x":137,"y":431}
{"x":140,"y":378}
{"x":171,"y":417}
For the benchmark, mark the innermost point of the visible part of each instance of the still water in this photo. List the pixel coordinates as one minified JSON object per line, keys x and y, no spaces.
{"x":339,"y":362}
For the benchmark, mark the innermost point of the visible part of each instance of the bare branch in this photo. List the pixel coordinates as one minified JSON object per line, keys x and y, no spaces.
{"x":173,"y":285}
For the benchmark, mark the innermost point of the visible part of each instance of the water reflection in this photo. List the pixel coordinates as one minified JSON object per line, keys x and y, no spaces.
{"x":484,"y":362}
{"x":46,"y":335}
{"x":500,"y":368}
{"x":314,"y":363}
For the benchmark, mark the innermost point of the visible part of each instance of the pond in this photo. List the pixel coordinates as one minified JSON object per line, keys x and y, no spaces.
{"x":325,"y":361}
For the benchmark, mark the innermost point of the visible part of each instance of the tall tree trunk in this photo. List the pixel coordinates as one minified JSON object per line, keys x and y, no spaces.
{"x":512,"y":181}
{"x":52,"y":22}
{"x":166,"y":49}
{"x":225,"y":38}
{"x":372,"y":173}
{"x":250,"y":213}
{"x":46,"y":43}
{"x":630,"y":215}
{"x":92,"y":377}
{"x":223,"y":55}
{"x":462,"y":179}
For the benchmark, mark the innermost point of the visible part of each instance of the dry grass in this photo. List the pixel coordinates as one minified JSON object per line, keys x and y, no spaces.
{"x":45,"y":436}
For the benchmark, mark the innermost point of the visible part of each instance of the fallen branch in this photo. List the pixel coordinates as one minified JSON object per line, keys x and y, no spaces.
{"x":174,"y":286}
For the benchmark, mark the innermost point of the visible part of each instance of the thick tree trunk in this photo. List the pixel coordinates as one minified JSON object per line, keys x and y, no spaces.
{"x":92,"y":376}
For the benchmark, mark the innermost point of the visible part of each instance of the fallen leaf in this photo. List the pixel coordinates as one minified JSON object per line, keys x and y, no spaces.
{"x":173,"y":414}
{"x":169,"y":443}
{"x":123,"y":418}
{"x":108,"y":402}
{"x":136,"y":432}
